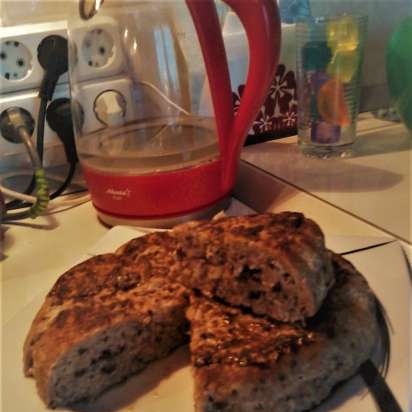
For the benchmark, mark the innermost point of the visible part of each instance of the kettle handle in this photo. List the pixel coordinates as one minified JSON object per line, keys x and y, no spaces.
{"x":261,"y":21}
{"x":209,"y":33}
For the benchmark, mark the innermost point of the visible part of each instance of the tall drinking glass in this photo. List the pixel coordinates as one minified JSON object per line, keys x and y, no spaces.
{"x":329,"y":61}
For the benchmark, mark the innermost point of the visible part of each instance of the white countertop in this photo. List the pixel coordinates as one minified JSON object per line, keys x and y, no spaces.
{"x":374,"y":185}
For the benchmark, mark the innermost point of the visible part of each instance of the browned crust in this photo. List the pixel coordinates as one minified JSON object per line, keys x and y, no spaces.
{"x":146,"y":244}
{"x":330,"y":348}
{"x":240,"y":259}
{"x":154,"y":254}
{"x":91,"y":297}
{"x":134,"y":284}
{"x":79,"y":284}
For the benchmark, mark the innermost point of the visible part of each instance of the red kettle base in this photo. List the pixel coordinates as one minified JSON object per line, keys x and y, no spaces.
{"x":164,"y":222}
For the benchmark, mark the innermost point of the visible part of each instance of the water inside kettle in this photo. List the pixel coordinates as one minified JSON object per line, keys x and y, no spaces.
{"x":154,"y":146}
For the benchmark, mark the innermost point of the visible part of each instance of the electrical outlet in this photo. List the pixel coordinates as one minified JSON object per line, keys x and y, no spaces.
{"x":95,"y":49}
{"x":89,"y":94}
{"x":16,"y":60}
{"x":29,"y":101}
{"x":98,"y":54}
{"x":20,"y":69}
{"x":8,"y":129}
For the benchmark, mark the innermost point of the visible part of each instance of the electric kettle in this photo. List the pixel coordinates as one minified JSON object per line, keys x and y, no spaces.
{"x":137,"y":69}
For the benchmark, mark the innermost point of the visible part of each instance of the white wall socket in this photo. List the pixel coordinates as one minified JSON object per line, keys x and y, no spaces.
{"x":89,"y":92}
{"x":96,"y":44}
{"x":98,"y":49}
{"x":21,"y":42}
{"x":28,"y":100}
{"x":98,"y":55}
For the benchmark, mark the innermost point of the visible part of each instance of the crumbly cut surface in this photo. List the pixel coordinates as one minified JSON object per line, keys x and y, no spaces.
{"x":244,"y":363}
{"x":275,"y":264}
{"x":103,"y":320}
{"x":156,"y":250}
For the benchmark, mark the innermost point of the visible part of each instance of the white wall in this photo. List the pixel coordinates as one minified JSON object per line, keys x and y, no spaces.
{"x":16,"y":12}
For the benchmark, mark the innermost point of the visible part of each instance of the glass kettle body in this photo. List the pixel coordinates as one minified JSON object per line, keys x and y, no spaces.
{"x":149,"y":155}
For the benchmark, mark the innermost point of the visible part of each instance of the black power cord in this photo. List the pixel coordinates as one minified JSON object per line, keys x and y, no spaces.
{"x":17,"y":204}
{"x":59,"y":118}
{"x":40,"y":127}
{"x":52,"y":55}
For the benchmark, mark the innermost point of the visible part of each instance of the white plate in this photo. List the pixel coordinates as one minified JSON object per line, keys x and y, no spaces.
{"x":166,"y":385}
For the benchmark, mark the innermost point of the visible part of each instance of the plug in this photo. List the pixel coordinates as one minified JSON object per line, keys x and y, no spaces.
{"x":52,"y":54}
{"x":11,"y":120}
{"x":17,"y":127}
{"x":59,"y":118}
